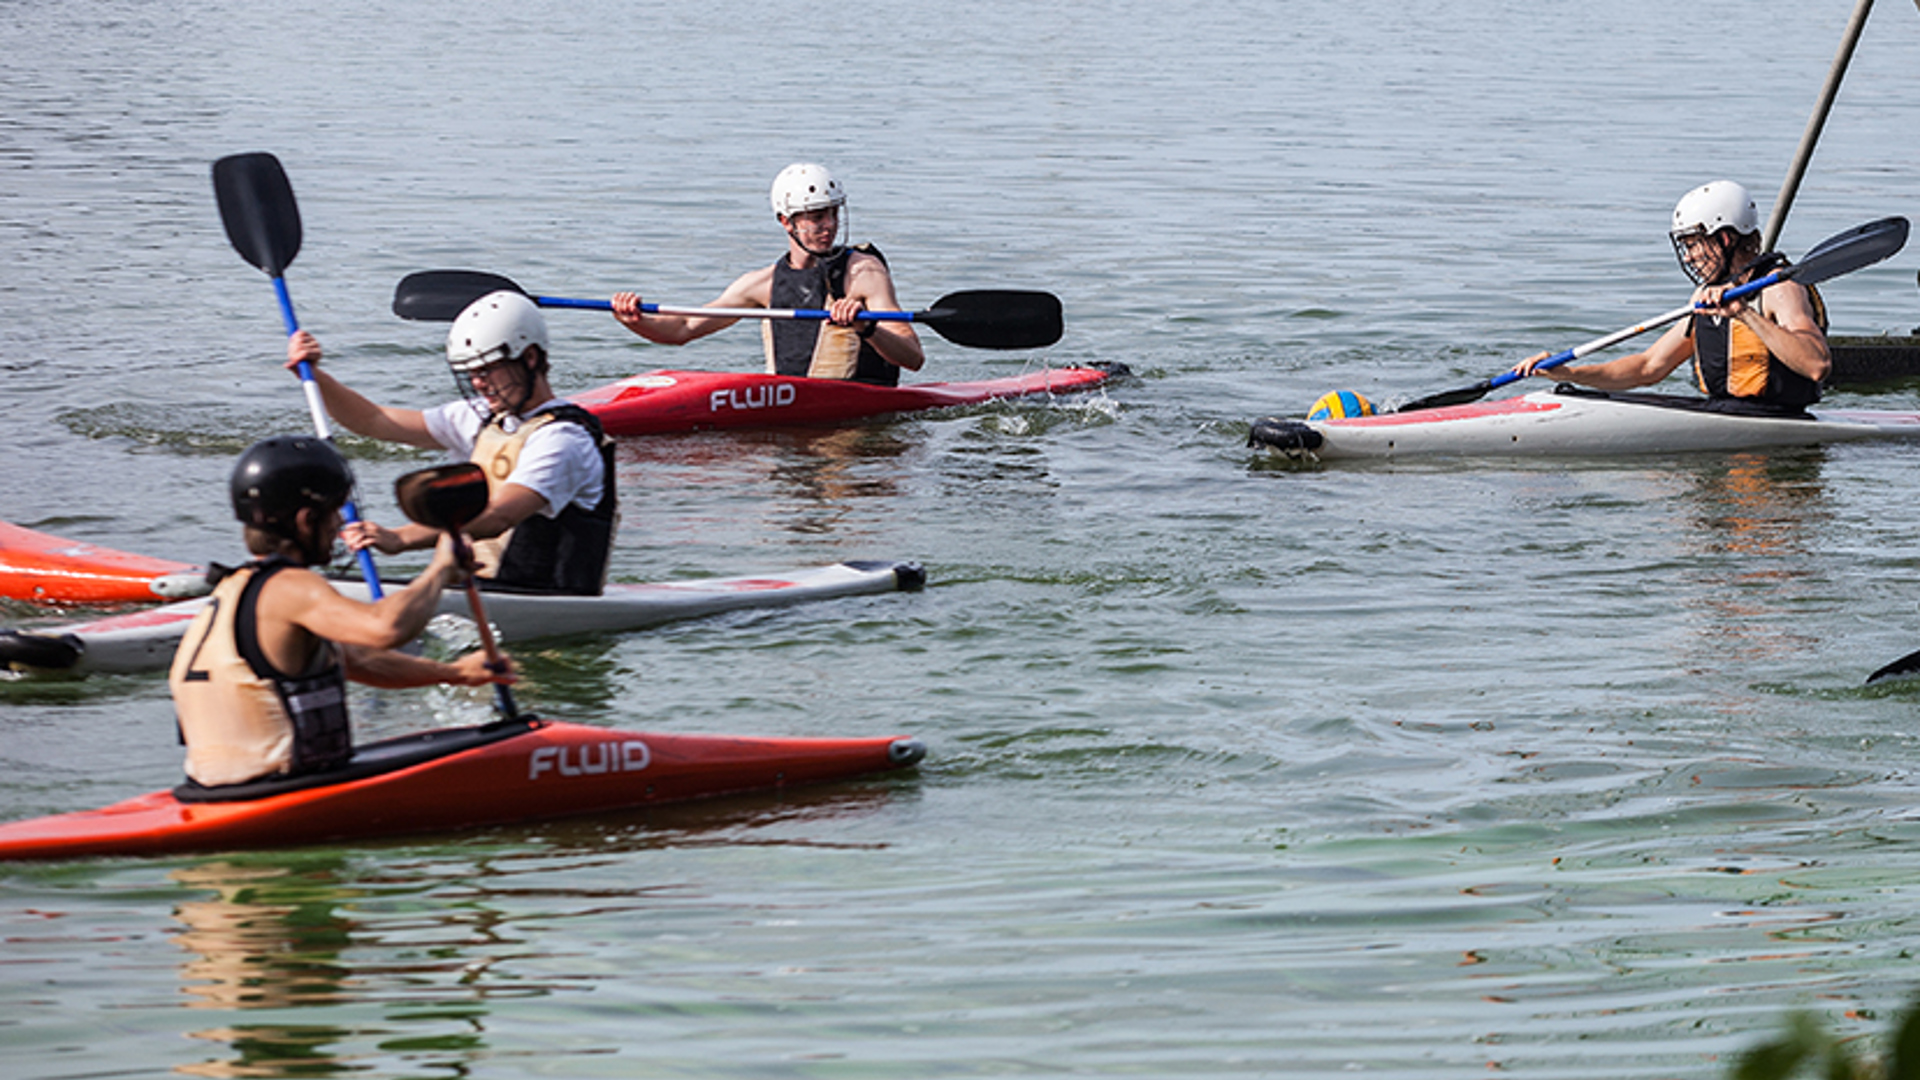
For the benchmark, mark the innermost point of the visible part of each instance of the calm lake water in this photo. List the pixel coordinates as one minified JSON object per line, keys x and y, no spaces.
{"x":1236,"y":768}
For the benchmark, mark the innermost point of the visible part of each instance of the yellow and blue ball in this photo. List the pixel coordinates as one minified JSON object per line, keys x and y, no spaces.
{"x":1340,"y":405}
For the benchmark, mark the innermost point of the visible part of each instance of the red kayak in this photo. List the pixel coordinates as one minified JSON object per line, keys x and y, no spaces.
{"x":44,"y":569}
{"x":456,"y":778}
{"x":663,"y":402}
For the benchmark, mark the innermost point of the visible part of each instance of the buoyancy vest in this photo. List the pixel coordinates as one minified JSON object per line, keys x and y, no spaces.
{"x":241,"y":718}
{"x":566,"y":553}
{"x":816,"y":348}
{"x":1730,"y":361}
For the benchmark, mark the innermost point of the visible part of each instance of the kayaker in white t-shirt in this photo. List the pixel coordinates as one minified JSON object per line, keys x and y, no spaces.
{"x":819,"y":271}
{"x":553,"y":507}
{"x":259,"y":679}
{"x":1771,"y":354}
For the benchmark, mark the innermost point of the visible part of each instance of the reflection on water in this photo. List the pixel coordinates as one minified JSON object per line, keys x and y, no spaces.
{"x":1760,"y":507}
{"x":270,"y":935}
{"x":266,"y":938}
{"x":803,"y":481}
{"x":828,"y":470}
{"x":1753,"y":519}
{"x":430,"y":936}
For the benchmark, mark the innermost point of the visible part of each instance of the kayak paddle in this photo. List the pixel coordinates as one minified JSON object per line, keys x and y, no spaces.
{"x":263,"y":222}
{"x":1840,"y":254}
{"x":446,"y":497}
{"x":979,"y":319}
{"x":1902,"y":668}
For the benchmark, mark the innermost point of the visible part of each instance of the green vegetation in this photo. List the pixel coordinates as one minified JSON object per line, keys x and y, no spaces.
{"x":1809,"y":1049}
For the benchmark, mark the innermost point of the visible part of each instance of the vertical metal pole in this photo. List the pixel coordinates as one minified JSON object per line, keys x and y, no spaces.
{"x":1818,"y":120}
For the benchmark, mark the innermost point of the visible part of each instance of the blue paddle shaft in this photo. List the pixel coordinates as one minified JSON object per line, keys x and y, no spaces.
{"x":348,"y":512}
{"x":817,"y":314}
{"x":1736,"y":293}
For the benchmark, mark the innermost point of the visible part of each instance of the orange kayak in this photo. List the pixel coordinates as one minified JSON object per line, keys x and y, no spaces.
{"x":43,"y":569}
{"x":502,"y":773}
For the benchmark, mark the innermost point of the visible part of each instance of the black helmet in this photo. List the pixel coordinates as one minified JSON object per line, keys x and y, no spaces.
{"x":276,"y":477}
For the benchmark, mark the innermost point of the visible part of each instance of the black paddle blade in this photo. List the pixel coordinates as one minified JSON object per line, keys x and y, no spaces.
{"x":443,"y":497}
{"x":23,"y":650}
{"x":1461,"y":396}
{"x":996,"y":319}
{"x":441,"y":295}
{"x":1843,"y":253}
{"x":257,"y":207}
{"x":1903,"y":668}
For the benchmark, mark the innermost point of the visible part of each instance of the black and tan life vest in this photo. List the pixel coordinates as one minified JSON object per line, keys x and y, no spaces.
{"x":816,"y":348}
{"x":566,"y":553}
{"x":1730,"y":361}
{"x":241,"y":718}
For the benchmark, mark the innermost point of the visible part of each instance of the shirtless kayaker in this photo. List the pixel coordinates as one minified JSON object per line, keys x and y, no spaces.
{"x":1766,"y":356}
{"x":553,"y":507}
{"x":259,"y":680}
{"x":818,"y":271}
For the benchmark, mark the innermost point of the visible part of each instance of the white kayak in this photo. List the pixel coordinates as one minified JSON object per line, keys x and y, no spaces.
{"x":1569,"y":422}
{"x":145,"y":640}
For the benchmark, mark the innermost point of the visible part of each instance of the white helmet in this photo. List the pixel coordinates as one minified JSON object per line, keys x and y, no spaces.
{"x":1709,"y":208}
{"x":802,"y":186}
{"x":498,"y":326}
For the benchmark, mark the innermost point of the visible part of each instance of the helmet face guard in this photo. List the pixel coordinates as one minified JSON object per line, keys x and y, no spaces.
{"x":834,"y":246}
{"x":525,"y":367}
{"x":1690,"y":248}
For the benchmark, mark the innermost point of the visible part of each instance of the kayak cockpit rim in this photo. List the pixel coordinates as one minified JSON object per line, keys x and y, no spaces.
{"x":373,"y":759}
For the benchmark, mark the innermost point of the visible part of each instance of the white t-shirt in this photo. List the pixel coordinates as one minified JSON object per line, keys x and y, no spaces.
{"x":560,"y":461}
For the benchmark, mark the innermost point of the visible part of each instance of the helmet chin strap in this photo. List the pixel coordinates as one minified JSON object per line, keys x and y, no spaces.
{"x":523,"y":391}
{"x":1728,"y":243}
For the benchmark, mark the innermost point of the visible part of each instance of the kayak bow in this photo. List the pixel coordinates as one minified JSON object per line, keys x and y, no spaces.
{"x":43,"y":569}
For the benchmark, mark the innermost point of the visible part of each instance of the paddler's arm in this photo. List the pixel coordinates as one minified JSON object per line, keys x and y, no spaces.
{"x":1787,"y":328}
{"x":391,"y":670}
{"x":511,"y":504}
{"x":301,"y":600}
{"x":1625,"y":373}
{"x":350,"y":409}
{"x":870,"y":288}
{"x":752,"y":289}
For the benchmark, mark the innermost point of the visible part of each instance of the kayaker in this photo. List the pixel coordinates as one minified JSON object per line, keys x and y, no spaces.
{"x":554,"y":508}
{"x":1769,"y":356}
{"x":259,"y":680}
{"x":819,"y":271}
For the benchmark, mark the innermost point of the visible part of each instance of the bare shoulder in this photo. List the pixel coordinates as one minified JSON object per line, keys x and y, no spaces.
{"x":295,"y":582}
{"x":294,"y":594}
{"x":297,"y":596}
{"x":865,"y":262}
{"x":1789,"y":304}
{"x":868,"y":276}
{"x":751,"y":289}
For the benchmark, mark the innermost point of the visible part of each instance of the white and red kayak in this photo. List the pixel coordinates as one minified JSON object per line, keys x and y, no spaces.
{"x":40,"y":568}
{"x":145,"y":640}
{"x":502,"y":773}
{"x":1565,"y":422}
{"x":663,"y":402}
